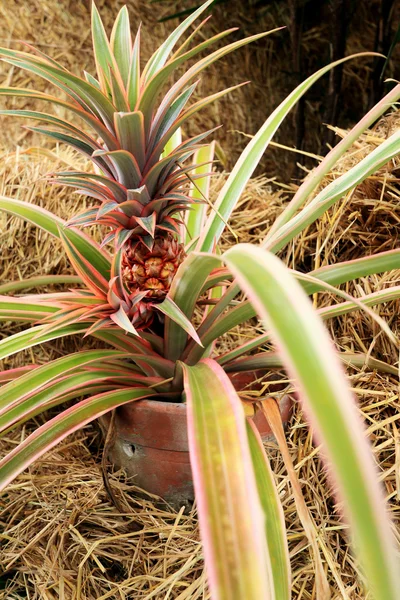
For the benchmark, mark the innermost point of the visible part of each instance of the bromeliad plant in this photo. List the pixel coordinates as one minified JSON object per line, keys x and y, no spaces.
{"x":157,"y":266}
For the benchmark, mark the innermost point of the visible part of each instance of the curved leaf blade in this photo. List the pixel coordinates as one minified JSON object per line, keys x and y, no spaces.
{"x":275,"y":529}
{"x":249,"y":160}
{"x":312,"y":180}
{"x":334,"y":191}
{"x":311,"y":361}
{"x":185,"y":289}
{"x":230,"y":514}
{"x":55,"y":430}
{"x":50,"y":223}
{"x":33,"y":336}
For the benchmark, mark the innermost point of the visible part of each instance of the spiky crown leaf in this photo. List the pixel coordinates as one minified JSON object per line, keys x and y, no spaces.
{"x":142,"y":192}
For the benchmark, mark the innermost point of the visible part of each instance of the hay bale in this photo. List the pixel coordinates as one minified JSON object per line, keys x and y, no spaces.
{"x":61,"y":28}
{"x":62,"y":536}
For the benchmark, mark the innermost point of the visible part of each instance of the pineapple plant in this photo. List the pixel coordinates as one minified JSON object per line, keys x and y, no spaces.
{"x":159,"y":257}
{"x":141,"y":177}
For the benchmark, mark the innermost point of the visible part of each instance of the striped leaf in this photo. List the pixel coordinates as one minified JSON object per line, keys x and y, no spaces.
{"x":55,"y":430}
{"x":312,"y":363}
{"x":249,"y":159}
{"x":230,"y":513}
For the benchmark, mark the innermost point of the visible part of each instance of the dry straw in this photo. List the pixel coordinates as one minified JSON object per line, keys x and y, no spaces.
{"x":61,"y":536}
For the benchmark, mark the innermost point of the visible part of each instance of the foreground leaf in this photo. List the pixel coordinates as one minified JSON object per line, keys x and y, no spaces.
{"x":275,"y":529}
{"x":55,"y":430}
{"x":230,"y":514}
{"x":311,"y":362}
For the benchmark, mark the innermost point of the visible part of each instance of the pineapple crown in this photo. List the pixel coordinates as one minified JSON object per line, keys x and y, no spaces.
{"x":140,"y":178}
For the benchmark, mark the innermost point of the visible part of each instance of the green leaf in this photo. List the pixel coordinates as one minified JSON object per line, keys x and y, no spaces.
{"x":50,"y":223}
{"x":159,"y":58}
{"x":187,"y":114}
{"x":354,"y":269}
{"x":121,"y":43}
{"x":39,"y":281}
{"x":230,"y":513}
{"x":62,"y":389}
{"x":32,"y":337}
{"x":195,"y":218}
{"x":173,"y":142}
{"x":134,"y":73}
{"x":311,"y":361}
{"x":101,"y":49}
{"x":173,"y":312}
{"x":121,"y":319}
{"x":130,"y":132}
{"x":118,"y":93}
{"x":126,"y":167}
{"x":79,"y":137}
{"x":79,"y":145}
{"x":87,"y":95}
{"x":184,"y":291}
{"x":250,"y":158}
{"x":217,"y":324}
{"x":12,"y":392}
{"x":275,"y":529}
{"x":389,"y":149}
{"x":337,"y":310}
{"x":89,"y":118}
{"x":19,"y":309}
{"x":55,"y":430}
{"x":171,"y":115}
{"x":150,"y":93}
{"x":272,"y":360}
{"x":314,"y":178}
{"x":84,"y":267}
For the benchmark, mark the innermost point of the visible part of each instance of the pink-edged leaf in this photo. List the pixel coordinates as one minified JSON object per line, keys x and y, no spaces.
{"x":275,"y":528}
{"x":11,"y":374}
{"x":273,"y":360}
{"x":310,"y":360}
{"x":148,"y":223}
{"x":121,"y":43}
{"x":85,"y":269}
{"x":36,"y":335}
{"x":312,"y":181}
{"x":125,"y":165}
{"x":185,"y":289}
{"x":171,"y":310}
{"x":55,"y":430}
{"x":121,"y":319}
{"x":33,"y":282}
{"x":230,"y":513}
{"x":130,"y":131}
{"x":25,"y":309}
{"x":87,"y":116}
{"x":73,"y":385}
{"x":52,"y":224}
{"x":27,"y":384}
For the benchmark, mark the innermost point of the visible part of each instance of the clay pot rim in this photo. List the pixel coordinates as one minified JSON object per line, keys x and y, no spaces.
{"x":155,"y":404}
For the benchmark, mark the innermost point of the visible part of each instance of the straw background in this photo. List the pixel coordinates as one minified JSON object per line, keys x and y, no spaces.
{"x":61,"y":536}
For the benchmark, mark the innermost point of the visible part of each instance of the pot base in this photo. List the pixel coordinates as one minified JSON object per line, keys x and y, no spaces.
{"x":151,"y":445}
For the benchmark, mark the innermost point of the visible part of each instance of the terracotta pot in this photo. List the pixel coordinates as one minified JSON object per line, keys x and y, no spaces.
{"x":152,"y":446}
